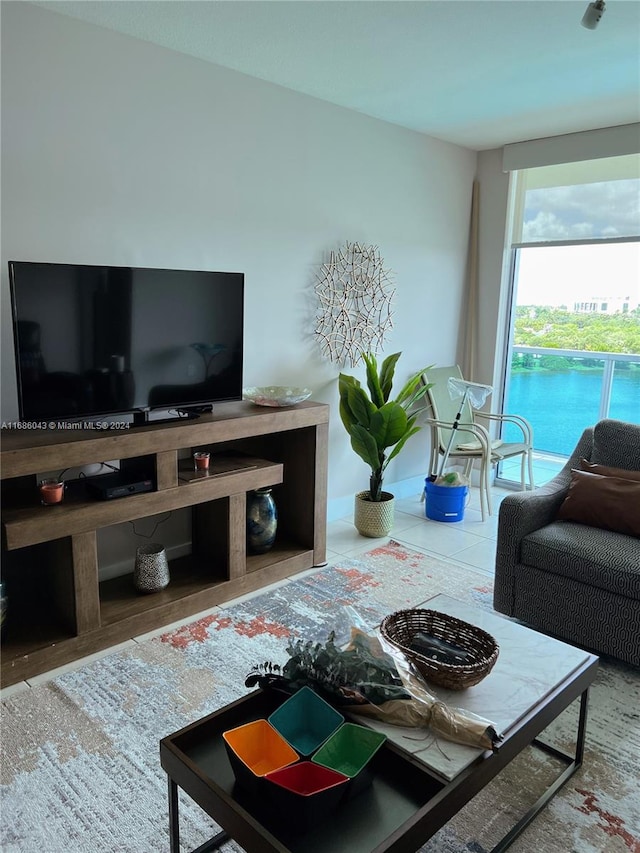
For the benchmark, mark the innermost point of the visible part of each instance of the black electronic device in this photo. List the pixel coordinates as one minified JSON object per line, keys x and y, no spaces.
{"x":120,"y":484}
{"x":196,"y":411}
{"x":98,"y":341}
{"x":440,"y":650}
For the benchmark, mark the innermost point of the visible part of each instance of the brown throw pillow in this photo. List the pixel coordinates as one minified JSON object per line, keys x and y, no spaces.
{"x":606,"y":471}
{"x":612,"y":503}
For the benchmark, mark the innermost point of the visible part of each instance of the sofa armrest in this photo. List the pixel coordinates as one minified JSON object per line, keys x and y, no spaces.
{"x":523,"y":512}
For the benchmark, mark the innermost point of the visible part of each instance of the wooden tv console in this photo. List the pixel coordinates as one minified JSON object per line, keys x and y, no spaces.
{"x":59,"y":610}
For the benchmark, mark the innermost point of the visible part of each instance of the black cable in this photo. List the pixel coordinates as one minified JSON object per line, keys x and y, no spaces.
{"x":157,"y":524}
{"x":82,"y":474}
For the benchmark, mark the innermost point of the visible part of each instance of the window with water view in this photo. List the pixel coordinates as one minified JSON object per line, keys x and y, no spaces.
{"x":575,"y":327}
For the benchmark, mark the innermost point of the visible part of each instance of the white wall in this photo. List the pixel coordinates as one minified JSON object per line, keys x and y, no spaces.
{"x":115,"y":151}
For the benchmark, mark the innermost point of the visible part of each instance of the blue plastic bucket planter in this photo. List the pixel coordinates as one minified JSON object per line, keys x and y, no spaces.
{"x":445,"y":503}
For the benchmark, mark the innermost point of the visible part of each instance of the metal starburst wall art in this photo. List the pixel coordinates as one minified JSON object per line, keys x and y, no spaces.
{"x":355,"y":292}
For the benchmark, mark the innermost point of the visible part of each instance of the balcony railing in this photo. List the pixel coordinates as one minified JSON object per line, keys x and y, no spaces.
{"x":561,"y":392}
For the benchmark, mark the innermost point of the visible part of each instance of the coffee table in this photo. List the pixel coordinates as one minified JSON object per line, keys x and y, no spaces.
{"x":415,"y":790}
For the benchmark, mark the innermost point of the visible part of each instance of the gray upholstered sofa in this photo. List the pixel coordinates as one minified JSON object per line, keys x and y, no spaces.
{"x":574,"y":581}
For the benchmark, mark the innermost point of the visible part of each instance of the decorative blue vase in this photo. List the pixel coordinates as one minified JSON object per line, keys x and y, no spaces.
{"x":262,"y":520}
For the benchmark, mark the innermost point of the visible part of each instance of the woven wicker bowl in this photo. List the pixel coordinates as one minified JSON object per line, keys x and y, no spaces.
{"x":400,"y":628}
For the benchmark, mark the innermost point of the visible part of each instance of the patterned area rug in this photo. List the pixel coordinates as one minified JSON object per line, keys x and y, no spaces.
{"x":80,"y":758}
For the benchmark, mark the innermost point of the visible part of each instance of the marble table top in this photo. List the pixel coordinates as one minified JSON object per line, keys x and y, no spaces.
{"x":530,"y":665}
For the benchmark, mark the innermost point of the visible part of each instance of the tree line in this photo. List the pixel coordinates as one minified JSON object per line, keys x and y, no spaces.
{"x":557,"y":328}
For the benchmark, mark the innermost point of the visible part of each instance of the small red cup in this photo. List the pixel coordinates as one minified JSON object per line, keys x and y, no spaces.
{"x":201,"y":460}
{"x":51,"y":492}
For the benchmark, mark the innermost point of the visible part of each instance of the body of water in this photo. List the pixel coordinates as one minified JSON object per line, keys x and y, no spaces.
{"x":560,"y":405}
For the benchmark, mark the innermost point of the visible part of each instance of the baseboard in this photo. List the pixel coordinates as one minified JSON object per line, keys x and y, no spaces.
{"x":125,"y":567}
{"x":338,"y":508}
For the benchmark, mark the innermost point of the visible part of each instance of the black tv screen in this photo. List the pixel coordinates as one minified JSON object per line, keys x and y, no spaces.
{"x":93,"y":341}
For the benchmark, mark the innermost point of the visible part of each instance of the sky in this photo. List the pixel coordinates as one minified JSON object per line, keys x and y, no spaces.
{"x":583,"y":211}
{"x":562,"y":275}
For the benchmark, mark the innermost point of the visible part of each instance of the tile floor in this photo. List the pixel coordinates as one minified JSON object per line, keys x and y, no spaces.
{"x":470,"y":541}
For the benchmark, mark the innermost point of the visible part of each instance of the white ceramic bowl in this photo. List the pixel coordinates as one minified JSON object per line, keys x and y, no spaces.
{"x":276,"y":396}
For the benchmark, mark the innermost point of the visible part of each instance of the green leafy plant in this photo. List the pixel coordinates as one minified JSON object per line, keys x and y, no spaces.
{"x":379,"y":427}
{"x":342,"y":676}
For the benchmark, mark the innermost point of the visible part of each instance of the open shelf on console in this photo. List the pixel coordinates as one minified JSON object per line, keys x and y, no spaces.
{"x":220,"y":464}
{"x":24,"y":636}
{"x":191,"y":577}
{"x":28,"y":525}
{"x":120,"y":600}
{"x":38,"y":584}
{"x":282,"y":550}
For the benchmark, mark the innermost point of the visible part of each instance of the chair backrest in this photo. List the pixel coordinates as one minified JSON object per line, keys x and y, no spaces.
{"x":443,"y":407}
{"x":617,"y":444}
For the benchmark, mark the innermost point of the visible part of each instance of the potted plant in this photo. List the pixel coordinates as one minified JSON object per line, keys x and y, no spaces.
{"x":379,"y":428}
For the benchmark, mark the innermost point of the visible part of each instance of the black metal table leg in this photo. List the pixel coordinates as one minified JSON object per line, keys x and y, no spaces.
{"x":174,"y":826}
{"x":555,"y":786}
{"x":213,"y":843}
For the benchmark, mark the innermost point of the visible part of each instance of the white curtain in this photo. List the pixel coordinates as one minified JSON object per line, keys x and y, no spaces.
{"x":470,"y":327}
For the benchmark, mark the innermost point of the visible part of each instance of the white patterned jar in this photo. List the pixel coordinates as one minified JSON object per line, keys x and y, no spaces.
{"x":151,"y":572}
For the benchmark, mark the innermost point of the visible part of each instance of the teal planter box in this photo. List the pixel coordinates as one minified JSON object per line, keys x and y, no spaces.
{"x":305,"y":721}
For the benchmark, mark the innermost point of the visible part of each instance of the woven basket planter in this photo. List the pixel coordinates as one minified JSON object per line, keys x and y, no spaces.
{"x":374,"y":518}
{"x":400,"y":628}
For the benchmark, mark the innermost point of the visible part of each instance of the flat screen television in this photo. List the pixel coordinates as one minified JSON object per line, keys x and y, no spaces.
{"x":95,"y":341}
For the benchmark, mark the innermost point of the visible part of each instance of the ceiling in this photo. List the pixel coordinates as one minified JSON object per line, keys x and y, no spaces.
{"x":479,"y":73}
